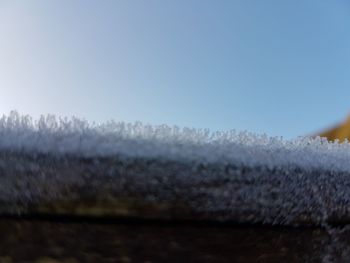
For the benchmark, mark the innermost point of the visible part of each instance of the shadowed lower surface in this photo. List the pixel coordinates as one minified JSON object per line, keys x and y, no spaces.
{"x":169,"y":203}
{"x":40,"y":241}
{"x":150,"y":188}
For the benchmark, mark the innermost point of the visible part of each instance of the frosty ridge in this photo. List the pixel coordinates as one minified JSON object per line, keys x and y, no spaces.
{"x":61,"y":135}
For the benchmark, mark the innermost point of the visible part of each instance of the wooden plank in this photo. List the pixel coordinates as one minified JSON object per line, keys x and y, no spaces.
{"x":147,"y":188}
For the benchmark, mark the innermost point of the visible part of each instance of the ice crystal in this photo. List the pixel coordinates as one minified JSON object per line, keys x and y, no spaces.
{"x":75,"y":136}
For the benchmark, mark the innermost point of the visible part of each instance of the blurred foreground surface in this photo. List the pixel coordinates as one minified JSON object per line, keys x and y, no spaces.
{"x":45,"y":241}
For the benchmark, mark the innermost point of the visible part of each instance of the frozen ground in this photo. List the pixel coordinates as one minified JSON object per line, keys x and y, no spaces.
{"x":230,"y":175}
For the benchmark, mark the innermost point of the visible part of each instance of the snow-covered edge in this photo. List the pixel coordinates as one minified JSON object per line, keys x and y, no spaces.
{"x":63,"y":135}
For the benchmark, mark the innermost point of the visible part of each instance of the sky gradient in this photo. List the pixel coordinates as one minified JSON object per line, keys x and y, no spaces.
{"x":274,"y":67}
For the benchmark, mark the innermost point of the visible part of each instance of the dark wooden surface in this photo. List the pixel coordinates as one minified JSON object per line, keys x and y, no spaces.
{"x":158,"y":195}
{"x":164,"y":241}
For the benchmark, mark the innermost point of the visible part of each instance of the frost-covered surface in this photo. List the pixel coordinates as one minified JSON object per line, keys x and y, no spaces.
{"x":222,"y":175}
{"x":78,"y":137}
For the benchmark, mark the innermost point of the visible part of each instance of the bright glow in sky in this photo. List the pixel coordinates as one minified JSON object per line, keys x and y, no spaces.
{"x":265,"y":66}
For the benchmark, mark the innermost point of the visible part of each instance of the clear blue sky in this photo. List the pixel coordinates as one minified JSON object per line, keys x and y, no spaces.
{"x":275,"y":67}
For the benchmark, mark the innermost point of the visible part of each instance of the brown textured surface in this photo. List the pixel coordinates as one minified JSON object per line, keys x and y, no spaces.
{"x":340,"y":132}
{"x":43,"y":241}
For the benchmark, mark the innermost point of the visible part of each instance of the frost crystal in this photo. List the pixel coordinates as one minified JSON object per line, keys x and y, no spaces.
{"x":78,"y":137}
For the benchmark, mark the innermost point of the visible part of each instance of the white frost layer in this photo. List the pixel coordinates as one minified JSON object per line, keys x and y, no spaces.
{"x":54,"y":135}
